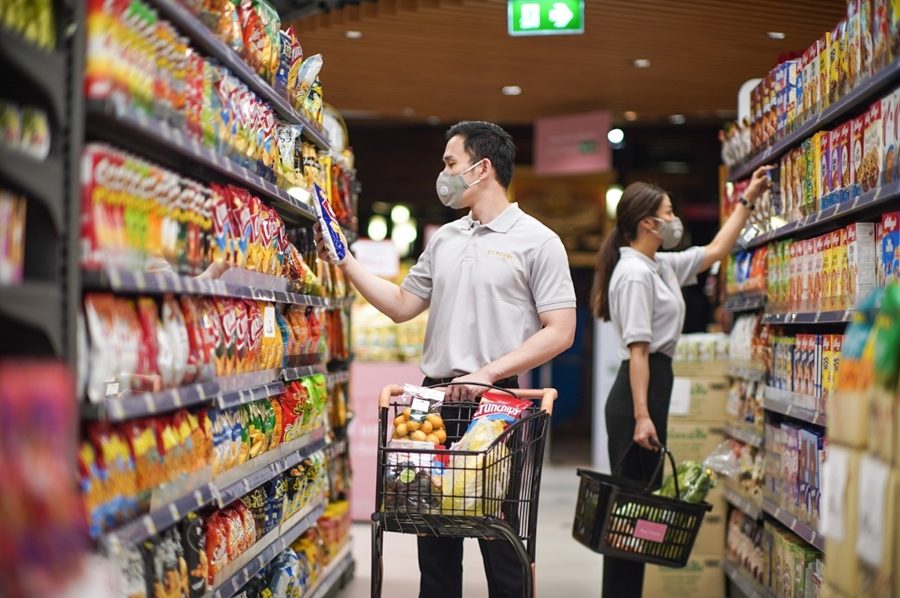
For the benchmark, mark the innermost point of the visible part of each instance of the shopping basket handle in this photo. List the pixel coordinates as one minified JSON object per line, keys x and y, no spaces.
{"x":546,"y":395}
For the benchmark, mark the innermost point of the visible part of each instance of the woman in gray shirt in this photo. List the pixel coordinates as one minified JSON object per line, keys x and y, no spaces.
{"x":639,"y":291}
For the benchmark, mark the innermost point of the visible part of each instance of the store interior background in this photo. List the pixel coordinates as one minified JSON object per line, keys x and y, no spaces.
{"x":430,"y":64}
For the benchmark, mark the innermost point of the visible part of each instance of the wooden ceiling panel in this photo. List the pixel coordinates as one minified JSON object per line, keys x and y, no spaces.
{"x":450,"y":58}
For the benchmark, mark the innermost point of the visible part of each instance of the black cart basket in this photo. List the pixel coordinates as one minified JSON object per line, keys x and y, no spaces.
{"x":489,"y":494}
{"x":621,"y":518}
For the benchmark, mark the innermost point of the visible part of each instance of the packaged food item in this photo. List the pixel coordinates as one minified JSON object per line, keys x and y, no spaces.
{"x":217,"y":548}
{"x":174,"y":327}
{"x":881,"y":34}
{"x":35,"y":137}
{"x":308,"y":72}
{"x":121,"y":482}
{"x":841,"y":273}
{"x":104,"y":379}
{"x":229,"y":321}
{"x":869,"y":172}
{"x":846,"y":161}
{"x":890,"y":246}
{"x":131,"y":566}
{"x":857,"y":136}
{"x":194,"y":545}
{"x":145,"y":453}
{"x":854,"y":43}
{"x":12,"y":238}
{"x":255,"y":502}
{"x":837,"y":77}
{"x":293,"y":402}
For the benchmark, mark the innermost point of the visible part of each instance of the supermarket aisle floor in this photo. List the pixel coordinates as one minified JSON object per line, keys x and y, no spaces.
{"x":564,"y":567}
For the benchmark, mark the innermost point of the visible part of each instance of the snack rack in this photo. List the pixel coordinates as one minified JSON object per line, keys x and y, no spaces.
{"x":801,"y":410}
{"x":40,"y":315}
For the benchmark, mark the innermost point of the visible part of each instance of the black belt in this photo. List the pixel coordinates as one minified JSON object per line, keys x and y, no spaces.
{"x":511,"y":382}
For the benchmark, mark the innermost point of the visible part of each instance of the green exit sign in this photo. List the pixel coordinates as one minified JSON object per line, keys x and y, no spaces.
{"x":546,"y":17}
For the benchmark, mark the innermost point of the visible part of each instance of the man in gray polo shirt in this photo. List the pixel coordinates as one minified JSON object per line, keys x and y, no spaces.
{"x":501,"y":302}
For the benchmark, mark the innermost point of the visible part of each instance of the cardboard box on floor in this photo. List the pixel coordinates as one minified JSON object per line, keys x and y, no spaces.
{"x":699,"y":399}
{"x":692,"y":441}
{"x":700,"y":578}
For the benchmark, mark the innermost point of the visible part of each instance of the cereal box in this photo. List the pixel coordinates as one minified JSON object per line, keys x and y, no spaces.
{"x":844,"y":73}
{"x":834,"y":168}
{"x":837,"y":345}
{"x":866,"y":41}
{"x":870,"y":168}
{"x":881,"y":34}
{"x":853,"y":37}
{"x":860,"y":255}
{"x":792,"y":276}
{"x":809,"y":256}
{"x":846,"y":161}
{"x":841,"y":275}
{"x":792,"y":96}
{"x":827,"y":279}
{"x":890,"y":246}
{"x":817,"y":364}
{"x":888,"y":138}
{"x":894,"y":18}
{"x":824,"y":45}
{"x":827,"y":356}
{"x":819,"y":278}
{"x":835,"y":74}
{"x":836,"y":263}
{"x":879,"y":262}
{"x":857,"y":131}
{"x":824,"y":175}
{"x":805,"y":81}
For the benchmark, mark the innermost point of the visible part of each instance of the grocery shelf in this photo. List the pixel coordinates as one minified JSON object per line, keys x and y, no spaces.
{"x":742,"y":502}
{"x":745,"y":434}
{"x":790,"y":404}
{"x":123,"y":280}
{"x":338,"y":447}
{"x":238,"y":481}
{"x":228,"y":485}
{"x":207,"y":41}
{"x":143,"y":404}
{"x":748,"y":586}
{"x":335,"y":378}
{"x":340,"y":302}
{"x":748,"y":302}
{"x":815,"y":317}
{"x":334,"y":574}
{"x":749,"y":372}
{"x":44,"y":67}
{"x":295,"y":373}
{"x":37,"y":180}
{"x":236,"y":398}
{"x":133,"y":128}
{"x":37,"y":304}
{"x":866,"y":91}
{"x":883,"y":197}
{"x":789,"y":520}
{"x":236,"y":574}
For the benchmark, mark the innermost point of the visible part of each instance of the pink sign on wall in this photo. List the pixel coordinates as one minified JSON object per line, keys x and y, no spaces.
{"x":574,"y":144}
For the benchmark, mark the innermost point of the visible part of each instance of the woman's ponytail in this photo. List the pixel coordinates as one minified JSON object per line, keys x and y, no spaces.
{"x":607,"y":258}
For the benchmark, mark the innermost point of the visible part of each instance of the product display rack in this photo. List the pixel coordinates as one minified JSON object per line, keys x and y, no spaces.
{"x":745,"y":434}
{"x":39,"y":315}
{"x":34,"y":313}
{"x":335,"y":575}
{"x":745,"y":302}
{"x":867,"y":206}
{"x":880,"y":82}
{"x":749,"y":587}
{"x":742,"y":502}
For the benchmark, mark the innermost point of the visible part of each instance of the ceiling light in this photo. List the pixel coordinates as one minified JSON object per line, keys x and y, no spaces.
{"x":352,"y":34}
{"x":775,"y":35}
{"x":433,"y":120}
{"x":642,"y":63}
{"x":630,"y":116}
{"x":616,"y":136}
{"x":377,"y":228}
{"x":678,"y":119}
{"x":399,"y":214}
{"x":613,"y":195}
{"x":512,"y":90}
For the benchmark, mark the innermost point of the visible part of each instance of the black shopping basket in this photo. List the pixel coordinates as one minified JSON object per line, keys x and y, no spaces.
{"x":621,"y":518}
{"x":491,"y":494}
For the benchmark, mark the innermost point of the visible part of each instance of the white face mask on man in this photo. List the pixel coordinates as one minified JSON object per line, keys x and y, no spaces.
{"x":671,"y":232}
{"x":451,"y":187}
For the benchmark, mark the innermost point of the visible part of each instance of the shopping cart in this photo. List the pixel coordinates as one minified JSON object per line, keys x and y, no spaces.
{"x":621,"y":518}
{"x":490,"y":494}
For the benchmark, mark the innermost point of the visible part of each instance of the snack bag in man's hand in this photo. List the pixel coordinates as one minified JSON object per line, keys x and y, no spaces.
{"x":332,"y":236}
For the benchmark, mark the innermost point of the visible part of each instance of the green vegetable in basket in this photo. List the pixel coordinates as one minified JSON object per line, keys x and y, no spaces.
{"x":694,"y":482}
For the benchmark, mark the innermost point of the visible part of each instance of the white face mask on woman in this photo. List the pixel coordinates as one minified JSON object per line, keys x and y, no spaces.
{"x":450,"y":187}
{"x":671,"y":232}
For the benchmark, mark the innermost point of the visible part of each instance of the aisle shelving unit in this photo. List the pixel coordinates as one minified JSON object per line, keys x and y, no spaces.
{"x":749,"y":587}
{"x":40,"y":314}
{"x":743,"y":503}
{"x":779,"y":404}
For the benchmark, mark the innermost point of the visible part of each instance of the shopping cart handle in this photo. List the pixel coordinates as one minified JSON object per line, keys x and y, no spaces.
{"x":546,"y":395}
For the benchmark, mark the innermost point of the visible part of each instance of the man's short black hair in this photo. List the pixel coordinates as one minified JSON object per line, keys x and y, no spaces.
{"x":486,"y":140}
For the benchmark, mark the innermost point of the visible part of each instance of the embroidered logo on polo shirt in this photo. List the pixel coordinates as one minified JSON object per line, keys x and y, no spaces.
{"x":501,"y":254}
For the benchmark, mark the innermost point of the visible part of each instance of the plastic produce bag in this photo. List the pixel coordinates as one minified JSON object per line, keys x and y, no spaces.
{"x":694,"y":482}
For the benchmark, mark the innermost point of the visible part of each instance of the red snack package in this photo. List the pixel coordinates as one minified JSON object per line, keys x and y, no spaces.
{"x":254,"y":336}
{"x":229,"y":319}
{"x":199,"y":366}
{"x":249,"y":523}
{"x":213,"y":337}
{"x":234,"y":533}
{"x":499,"y":406}
{"x":293,"y":402}
{"x":315,"y":331}
{"x":242,"y":337}
{"x":296,"y":317}
{"x":175,"y":328}
{"x":147,"y":375}
{"x":216,"y":545}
